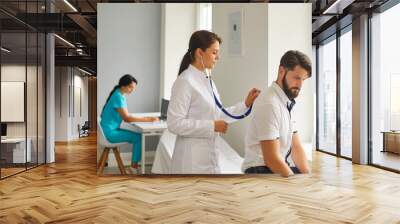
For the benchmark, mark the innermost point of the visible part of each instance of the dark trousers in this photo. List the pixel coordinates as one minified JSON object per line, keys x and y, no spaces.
{"x":265,"y":169}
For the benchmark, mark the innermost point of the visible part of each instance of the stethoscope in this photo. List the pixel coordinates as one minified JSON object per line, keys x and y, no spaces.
{"x":219,"y":104}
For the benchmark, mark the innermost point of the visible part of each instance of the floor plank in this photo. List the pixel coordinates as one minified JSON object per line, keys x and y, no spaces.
{"x":69,"y":191}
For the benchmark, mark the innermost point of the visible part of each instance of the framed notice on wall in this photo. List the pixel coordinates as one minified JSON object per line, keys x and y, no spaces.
{"x":12,"y":101}
{"x":235,"y":33}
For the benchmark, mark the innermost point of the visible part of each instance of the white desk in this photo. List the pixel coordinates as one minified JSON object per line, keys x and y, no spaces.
{"x":19,"y":155}
{"x":148,"y":129}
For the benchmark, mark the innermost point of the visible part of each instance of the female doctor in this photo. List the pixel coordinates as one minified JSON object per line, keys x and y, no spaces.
{"x":192,"y":112}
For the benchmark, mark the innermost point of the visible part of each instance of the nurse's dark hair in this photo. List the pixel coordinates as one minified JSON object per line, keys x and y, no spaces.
{"x":125,"y":80}
{"x":202,"y":39}
{"x":293,"y":58}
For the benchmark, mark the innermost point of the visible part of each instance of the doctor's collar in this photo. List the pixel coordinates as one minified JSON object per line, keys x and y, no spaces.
{"x":202,"y":73}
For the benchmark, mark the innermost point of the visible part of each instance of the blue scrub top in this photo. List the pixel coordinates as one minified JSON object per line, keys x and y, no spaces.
{"x":110,"y":118}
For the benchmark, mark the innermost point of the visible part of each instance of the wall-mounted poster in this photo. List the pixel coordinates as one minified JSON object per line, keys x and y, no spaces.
{"x":235,"y":33}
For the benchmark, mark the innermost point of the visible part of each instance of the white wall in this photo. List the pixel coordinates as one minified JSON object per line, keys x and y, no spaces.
{"x":290,"y":28}
{"x":14,"y":72}
{"x":236,"y":75}
{"x":268,"y":31}
{"x":80,"y":83}
{"x":128,"y":42}
{"x":61,"y":97}
{"x":174,"y":41}
{"x":66,"y":121}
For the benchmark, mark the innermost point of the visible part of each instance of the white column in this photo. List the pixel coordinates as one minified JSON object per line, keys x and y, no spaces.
{"x":50,"y":99}
{"x":360,"y":90}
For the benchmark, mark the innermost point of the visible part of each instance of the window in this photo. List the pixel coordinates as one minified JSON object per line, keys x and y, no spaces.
{"x":346,"y":93}
{"x":394,"y":101}
{"x":327,"y":96}
{"x":205,"y":16}
{"x":385,"y":88}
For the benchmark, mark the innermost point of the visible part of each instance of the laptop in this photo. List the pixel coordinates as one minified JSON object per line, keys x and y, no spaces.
{"x":164,"y":109}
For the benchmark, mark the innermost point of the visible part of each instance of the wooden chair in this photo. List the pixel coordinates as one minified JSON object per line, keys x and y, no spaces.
{"x":106,"y":145}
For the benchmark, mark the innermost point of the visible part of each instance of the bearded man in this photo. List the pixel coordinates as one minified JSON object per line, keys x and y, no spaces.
{"x":272,"y":142}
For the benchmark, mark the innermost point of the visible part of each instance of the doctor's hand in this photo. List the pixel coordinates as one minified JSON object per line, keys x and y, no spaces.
{"x":253,"y":94}
{"x":220,"y":126}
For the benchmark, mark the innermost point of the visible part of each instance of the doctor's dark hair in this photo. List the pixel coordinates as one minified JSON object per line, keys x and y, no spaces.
{"x":125,"y":80}
{"x":293,"y":58}
{"x":202,"y":39}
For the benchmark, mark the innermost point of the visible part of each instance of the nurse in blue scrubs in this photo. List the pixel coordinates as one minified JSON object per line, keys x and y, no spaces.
{"x":115,"y":111}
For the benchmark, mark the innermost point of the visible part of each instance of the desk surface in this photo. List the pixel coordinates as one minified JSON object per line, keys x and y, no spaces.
{"x":151,"y":114}
{"x":149,"y":126}
{"x":391,"y":132}
{"x":13,"y":140}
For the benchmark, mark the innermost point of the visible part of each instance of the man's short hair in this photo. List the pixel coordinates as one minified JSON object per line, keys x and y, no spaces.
{"x":293,"y":58}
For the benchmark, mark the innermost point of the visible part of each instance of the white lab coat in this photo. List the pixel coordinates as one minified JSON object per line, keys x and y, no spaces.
{"x":191,"y":115}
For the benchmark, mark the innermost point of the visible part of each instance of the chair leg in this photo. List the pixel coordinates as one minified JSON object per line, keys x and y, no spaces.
{"x":103,"y":159}
{"x":119,"y":160}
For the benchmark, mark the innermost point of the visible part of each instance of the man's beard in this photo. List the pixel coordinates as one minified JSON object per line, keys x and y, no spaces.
{"x":291,"y":93}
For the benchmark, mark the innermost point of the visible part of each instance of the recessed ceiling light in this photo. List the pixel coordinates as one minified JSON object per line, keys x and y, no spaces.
{"x":337,"y":7}
{"x":70,"y":5}
{"x":5,"y":50}
{"x":84,"y":71}
{"x":64,"y":40}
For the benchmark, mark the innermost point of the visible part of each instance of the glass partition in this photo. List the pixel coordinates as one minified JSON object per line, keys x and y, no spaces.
{"x":13,"y":95}
{"x":22,"y":63}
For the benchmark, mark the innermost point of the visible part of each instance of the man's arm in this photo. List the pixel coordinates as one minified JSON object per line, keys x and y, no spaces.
{"x":298,"y":154}
{"x":273,"y":158}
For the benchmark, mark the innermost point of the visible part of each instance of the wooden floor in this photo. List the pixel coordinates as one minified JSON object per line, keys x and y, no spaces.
{"x":69,"y":191}
{"x":5,"y":172}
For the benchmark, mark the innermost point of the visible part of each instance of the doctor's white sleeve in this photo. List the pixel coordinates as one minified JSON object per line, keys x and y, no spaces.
{"x":178,"y":109}
{"x":237,"y":109}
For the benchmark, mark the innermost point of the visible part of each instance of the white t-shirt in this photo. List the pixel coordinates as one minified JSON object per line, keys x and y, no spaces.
{"x":269,"y":120}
